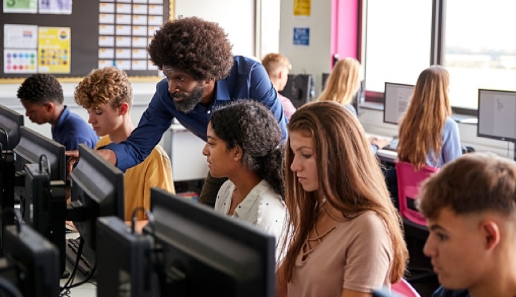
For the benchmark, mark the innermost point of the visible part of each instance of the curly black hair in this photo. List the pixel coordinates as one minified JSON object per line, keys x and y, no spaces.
{"x":195,"y":46}
{"x":253,"y":127}
{"x":41,"y":88}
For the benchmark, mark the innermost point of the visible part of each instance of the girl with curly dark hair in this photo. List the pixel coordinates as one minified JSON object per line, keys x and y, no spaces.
{"x":244,"y":146}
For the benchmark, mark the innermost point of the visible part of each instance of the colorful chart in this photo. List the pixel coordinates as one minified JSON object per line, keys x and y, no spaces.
{"x":20,"y":61}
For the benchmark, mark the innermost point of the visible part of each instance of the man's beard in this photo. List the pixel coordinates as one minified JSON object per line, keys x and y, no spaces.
{"x":189,"y":102}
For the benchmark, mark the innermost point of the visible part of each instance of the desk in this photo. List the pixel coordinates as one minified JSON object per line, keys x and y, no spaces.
{"x":86,"y":290}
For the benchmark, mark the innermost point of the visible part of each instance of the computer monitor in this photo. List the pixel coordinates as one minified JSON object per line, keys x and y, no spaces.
{"x":396,"y":100}
{"x":199,"y":252}
{"x":299,"y":89}
{"x":30,"y":264}
{"x":497,"y":115}
{"x":10,"y":121}
{"x":97,"y":190}
{"x":32,"y":145}
{"x":40,"y":186}
{"x":124,"y":261}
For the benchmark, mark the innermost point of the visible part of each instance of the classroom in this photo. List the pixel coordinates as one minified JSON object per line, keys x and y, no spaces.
{"x":149,"y":168}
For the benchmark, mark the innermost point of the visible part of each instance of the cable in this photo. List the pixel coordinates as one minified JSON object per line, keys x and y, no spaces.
{"x":9,"y":288}
{"x":149,"y":215}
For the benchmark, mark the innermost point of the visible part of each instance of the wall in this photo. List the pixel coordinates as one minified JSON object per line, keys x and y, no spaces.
{"x":314,"y":58}
{"x":237,"y":17}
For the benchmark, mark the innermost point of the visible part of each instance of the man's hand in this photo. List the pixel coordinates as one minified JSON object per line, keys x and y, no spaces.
{"x":73,"y":158}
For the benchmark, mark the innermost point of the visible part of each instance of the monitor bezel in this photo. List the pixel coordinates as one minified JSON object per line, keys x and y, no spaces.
{"x":479,"y":134}
{"x":169,"y":207}
{"x":85,"y":212}
{"x":56,"y":158}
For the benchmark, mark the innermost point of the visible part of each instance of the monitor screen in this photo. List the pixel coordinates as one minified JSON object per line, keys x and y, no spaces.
{"x":396,"y":100}
{"x":497,"y":114}
{"x":10,"y":121}
{"x":208,"y":253}
{"x":97,"y":190}
{"x":31,"y":263}
{"x":299,"y":89}
{"x":32,"y":145}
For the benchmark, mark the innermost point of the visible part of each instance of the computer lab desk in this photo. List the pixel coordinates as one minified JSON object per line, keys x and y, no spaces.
{"x":88,"y":289}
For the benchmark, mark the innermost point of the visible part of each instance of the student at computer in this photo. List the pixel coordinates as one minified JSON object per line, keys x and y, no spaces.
{"x":342,"y":84}
{"x":107,"y":95}
{"x":427,"y":133}
{"x":278,"y":68}
{"x":470,"y":207}
{"x":244,"y":146}
{"x":42,"y":97}
{"x":347,"y":239}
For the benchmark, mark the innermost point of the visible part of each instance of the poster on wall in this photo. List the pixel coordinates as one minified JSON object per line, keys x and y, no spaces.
{"x":20,"y":6}
{"x":302,"y":7}
{"x":55,"y":6}
{"x":54,"y":49}
{"x":20,"y":44}
{"x":301,"y":36}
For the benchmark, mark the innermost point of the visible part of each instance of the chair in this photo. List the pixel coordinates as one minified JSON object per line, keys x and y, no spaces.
{"x":416,"y":231}
{"x":403,"y":288}
{"x":409,"y":181}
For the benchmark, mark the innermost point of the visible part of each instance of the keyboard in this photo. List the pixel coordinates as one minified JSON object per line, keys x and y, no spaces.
{"x":72,"y":247}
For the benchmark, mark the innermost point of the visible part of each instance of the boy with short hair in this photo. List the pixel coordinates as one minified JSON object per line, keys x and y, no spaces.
{"x":278,"y":68}
{"x":42,"y":97}
{"x":107,"y":96}
{"x":470,"y":206}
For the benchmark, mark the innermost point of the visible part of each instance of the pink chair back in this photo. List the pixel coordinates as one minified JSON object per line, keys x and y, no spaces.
{"x":403,"y":288}
{"x":409,"y":181}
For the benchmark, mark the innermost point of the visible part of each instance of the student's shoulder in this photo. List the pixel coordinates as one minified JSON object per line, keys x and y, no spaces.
{"x":443,"y":292}
{"x":158,"y":150}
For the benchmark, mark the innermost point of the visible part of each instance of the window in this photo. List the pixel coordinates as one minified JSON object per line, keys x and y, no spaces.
{"x":397,"y":40}
{"x":477,"y":47}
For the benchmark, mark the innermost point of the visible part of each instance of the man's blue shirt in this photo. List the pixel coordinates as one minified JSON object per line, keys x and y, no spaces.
{"x":246,"y":80}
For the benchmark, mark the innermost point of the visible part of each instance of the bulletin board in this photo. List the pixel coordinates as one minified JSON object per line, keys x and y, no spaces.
{"x":69,"y":38}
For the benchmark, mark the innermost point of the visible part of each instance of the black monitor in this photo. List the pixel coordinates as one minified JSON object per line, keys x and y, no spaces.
{"x":97,"y":190}
{"x":124,"y":261}
{"x":497,"y":115}
{"x":30,"y":265}
{"x":299,"y":89}
{"x":199,"y":252}
{"x":396,"y":100}
{"x":32,"y":145}
{"x":10,"y":121}
{"x":40,"y":186}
